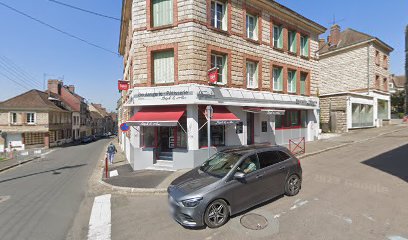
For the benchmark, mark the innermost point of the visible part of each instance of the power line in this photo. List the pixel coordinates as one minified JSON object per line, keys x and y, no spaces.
{"x":18,"y":69}
{"x":84,"y":10}
{"x":15,"y":75}
{"x":11,"y":70}
{"x":57,"y":29}
{"x":14,"y":81}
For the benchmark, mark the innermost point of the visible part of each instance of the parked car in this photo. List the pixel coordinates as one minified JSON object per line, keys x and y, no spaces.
{"x":93,"y":138}
{"x":86,"y":139}
{"x":232,"y":181}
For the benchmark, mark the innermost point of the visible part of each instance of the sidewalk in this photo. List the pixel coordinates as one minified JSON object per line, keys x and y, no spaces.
{"x":152,"y":181}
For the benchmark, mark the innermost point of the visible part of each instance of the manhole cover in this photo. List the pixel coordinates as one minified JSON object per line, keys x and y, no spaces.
{"x":4,"y":198}
{"x":254,"y":221}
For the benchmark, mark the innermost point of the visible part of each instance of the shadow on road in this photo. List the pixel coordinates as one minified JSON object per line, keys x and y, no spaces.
{"x":394,"y":162}
{"x":54,"y":171}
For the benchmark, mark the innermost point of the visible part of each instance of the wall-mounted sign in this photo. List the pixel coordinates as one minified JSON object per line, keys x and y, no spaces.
{"x":124,"y":127}
{"x":222,"y":122}
{"x":123,"y":85}
{"x":275,"y":112}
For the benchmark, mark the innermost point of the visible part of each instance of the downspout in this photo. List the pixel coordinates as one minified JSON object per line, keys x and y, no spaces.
{"x":368,"y":69}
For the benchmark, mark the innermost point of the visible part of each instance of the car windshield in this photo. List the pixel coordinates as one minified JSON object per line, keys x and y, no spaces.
{"x":220,"y":164}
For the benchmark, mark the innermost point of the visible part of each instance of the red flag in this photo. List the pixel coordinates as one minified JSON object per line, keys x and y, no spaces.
{"x":213,"y":75}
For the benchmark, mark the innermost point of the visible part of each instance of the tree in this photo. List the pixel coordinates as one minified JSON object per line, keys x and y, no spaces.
{"x":397,"y":102}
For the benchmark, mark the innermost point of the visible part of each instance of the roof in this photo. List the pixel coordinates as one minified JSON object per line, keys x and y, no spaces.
{"x":31,"y":100}
{"x":96,"y":115}
{"x":351,"y":37}
{"x":399,"y":81}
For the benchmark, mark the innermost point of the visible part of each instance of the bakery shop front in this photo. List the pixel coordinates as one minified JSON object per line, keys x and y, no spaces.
{"x":168,"y":125}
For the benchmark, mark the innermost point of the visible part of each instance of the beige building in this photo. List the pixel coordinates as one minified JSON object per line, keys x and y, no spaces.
{"x":354,"y":82}
{"x":34,"y":119}
{"x":267,"y":71}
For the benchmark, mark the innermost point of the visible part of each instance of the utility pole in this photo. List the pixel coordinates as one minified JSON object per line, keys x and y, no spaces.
{"x":209,"y":113}
{"x":406,"y":70}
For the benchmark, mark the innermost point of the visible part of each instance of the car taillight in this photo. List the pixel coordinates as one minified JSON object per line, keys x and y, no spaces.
{"x":299,"y":162}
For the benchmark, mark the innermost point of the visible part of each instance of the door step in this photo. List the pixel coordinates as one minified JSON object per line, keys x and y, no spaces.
{"x":162,"y":165}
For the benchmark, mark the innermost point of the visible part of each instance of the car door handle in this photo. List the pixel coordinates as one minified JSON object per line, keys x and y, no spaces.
{"x":259,"y":176}
{"x":282,"y":168}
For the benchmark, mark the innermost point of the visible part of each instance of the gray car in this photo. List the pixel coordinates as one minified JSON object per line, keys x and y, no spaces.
{"x":232,"y":181}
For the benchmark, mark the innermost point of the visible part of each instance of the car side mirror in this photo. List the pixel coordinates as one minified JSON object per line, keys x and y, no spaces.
{"x":239,"y":175}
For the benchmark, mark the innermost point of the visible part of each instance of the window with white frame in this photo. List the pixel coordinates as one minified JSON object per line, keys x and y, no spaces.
{"x":162,"y":12}
{"x":277,"y":36}
{"x":163,"y":67}
{"x":220,"y":61}
{"x":304,"y":46}
{"x":291,"y":81}
{"x":218,"y":15}
{"x":13,"y":117}
{"x":252,"y":27}
{"x":30,"y":118}
{"x":277,"y":79}
{"x":292,"y":41}
{"x":252,"y":74}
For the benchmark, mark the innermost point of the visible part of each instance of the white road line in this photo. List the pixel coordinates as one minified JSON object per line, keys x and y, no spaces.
{"x":100,"y":221}
{"x":113,"y":173}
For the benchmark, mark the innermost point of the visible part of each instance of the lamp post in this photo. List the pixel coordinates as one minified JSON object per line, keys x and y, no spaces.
{"x":209,"y":113}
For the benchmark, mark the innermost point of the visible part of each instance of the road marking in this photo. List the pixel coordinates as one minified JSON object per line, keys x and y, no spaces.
{"x":100,"y":221}
{"x":396,"y":238}
{"x":298,"y":204}
{"x":113,"y":173}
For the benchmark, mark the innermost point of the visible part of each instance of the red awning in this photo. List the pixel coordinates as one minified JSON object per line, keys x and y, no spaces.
{"x":221,"y":115}
{"x":157,"y":116}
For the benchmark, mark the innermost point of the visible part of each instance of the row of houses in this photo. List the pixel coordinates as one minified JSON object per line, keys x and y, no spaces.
{"x":50,"y":118}
{"x":275,"y":79}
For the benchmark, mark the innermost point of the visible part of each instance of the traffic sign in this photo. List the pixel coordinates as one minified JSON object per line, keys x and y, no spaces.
{"x":124,"y":127}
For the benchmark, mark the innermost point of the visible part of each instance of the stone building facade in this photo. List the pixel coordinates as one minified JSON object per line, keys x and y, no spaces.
{"x":267,"y":76}
{"x":354,"y":66}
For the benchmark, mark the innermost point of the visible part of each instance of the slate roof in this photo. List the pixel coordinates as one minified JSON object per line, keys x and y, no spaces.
{"x":350,"y":37}
{"x":31,"y":100}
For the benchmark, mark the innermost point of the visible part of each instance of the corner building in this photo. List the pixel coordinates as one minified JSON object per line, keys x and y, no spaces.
{"x":267,"y":78}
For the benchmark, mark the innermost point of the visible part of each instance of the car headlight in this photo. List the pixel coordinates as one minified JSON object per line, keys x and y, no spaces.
{"x":193,"y":202}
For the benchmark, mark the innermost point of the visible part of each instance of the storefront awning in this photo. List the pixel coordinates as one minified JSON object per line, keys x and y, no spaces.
{"x":157,"y":116}
{"x":221,"y":115}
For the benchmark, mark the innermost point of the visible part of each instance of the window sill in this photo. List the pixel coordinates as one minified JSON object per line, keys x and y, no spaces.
{"x":277,"y":91}
{"x":222,"y":31}
{"x":221,"y":84}
{"x":163,"y":84}
{"x":292,"y":53}
{"x":305,"y":57}
{"x":252,"y":88}
{"x":253,"y":41}
{"x":279,"y":49}
{"x":161,"y":27}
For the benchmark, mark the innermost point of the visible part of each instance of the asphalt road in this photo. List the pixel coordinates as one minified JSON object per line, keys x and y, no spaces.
{"x":39,"y":200}
{"x":355,"y":192}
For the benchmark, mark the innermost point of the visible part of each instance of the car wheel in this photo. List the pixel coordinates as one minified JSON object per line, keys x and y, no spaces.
{"x":293,"y":185}
{"x":216,"y":214}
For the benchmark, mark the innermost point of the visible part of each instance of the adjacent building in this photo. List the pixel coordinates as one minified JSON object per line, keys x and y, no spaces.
{"x":101,"y":120}
{"x":354,"y":81}
{"x":406,"y":70}
{"x":34,"y":119}
{"x":397,"y":84}
{"x":265,"y":89}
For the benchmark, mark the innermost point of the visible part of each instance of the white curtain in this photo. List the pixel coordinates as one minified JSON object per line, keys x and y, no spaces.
{"x":277,"y":79}
{"x":163,"y":67}
{"x":162,"y":12}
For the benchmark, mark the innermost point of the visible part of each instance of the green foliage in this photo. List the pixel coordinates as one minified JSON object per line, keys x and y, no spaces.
{"x":397,"y":102}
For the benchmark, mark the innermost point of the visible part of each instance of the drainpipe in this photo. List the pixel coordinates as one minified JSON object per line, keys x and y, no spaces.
{"x":368,"y":69}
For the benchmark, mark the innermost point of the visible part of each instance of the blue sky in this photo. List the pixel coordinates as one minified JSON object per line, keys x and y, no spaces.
{"x":40,"y":50}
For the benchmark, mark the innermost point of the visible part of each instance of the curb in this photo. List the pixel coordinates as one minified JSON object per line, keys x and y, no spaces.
{"x":163,"y":191}
{"x":18,"y":164}
{"x":345,"y":144}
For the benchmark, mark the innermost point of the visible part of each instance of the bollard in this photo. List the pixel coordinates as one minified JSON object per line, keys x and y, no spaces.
{"x":106,"y":166}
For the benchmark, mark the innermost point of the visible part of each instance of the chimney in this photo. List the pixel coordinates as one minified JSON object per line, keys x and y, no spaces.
{"x":334,"y":37}
{"x":322,"y":42}
{"x":71,"y":88}
{"x":53,"y":85}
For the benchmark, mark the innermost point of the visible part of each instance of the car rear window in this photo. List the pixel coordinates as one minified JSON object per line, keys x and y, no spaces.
{"x":269,"y":158}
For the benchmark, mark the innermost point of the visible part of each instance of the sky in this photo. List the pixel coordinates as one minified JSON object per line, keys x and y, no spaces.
{"x":41,"y":53}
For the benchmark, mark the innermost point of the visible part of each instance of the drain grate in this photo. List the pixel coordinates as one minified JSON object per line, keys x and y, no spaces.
{"x":4,"y":198}
{"x":254,"y":221}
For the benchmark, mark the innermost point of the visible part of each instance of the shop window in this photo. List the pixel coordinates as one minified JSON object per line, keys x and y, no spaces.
{"x":163,"y":67}
{"x":220,"y":61}
{"x":30,"y":118}
{"x":217,"y":133}
{"x":304,"y":46}
{"x":162,"y":12}
{"x":292,"y":81}
{"x":303,"y":79}
{"x":218,"y":15}
{"x":277,"y":78}
{"x":264,"y":126}
{"x":252,"y":74}
{"x":292,"y":42}
{"x":277,"y":36}
{"x":303,"y":118}
{"x":362,"y":115}
{"x":148,"y":136}
{"x":181,"y":135}
{"x":291,"y":119}
{"x":252,"y":27}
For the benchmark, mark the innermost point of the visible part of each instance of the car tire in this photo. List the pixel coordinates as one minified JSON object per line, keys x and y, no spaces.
{"x":216,"y":214}
{"x":293,"y":185}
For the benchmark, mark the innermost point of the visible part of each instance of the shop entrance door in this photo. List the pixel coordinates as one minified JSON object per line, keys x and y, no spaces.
{"x":166,"y":143}
{"x":250,"y":128}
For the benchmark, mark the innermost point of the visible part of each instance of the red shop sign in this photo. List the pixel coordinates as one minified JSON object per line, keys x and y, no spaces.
{"x":213,"y":75}
{"x":123,"y":85}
